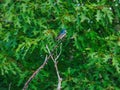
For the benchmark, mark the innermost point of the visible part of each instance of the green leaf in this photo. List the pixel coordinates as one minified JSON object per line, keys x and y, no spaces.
{"x":98,"y":16}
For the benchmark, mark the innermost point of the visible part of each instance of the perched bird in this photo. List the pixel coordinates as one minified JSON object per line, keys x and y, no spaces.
{"x":61,"y":35}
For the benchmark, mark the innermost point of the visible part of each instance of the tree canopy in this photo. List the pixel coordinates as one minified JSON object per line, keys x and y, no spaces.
{"x":90,"y":56}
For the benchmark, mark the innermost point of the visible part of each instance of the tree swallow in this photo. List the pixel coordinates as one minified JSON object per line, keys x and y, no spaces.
{"x":61,"y":35}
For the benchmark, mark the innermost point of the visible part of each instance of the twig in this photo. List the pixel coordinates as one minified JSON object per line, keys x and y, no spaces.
{"x":35,"y":73}
{"x":45,"y":61}
{"x":56,"y":67}
{"x":10,"y":86}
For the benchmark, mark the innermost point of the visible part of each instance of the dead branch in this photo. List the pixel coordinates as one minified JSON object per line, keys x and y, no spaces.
{"x":9,"y":86}
{"x":42,"y":66}
{"x":56,"y":67}
{"x":35,"y":73}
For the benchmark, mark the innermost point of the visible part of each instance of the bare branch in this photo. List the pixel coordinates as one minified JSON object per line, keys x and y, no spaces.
{"x":10,"y":86}
{"x":59,"y":53}
{"x":56,"y":67}
{"x":35,"y":73}
{"x":42,"y":66}
{"x":58,"y":75}
{"x":50,"y":53}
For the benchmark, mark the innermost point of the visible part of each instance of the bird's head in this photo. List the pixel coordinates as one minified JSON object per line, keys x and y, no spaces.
{"x":63,"y":31}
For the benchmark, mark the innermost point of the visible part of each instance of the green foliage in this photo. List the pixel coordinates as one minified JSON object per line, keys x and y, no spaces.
{"x":90,"y":58}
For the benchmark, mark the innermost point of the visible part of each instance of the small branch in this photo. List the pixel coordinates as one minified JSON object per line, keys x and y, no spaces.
{"x":35,"y":73}
{"x":10,"y":86}
{"x":42,"y":66}
{"x":59,"y":53}
{"x":56,"y":67}
{"x":59,"y":78}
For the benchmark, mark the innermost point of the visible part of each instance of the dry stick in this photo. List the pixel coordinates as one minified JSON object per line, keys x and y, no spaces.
{"x":35,"y":73}
{"x":56,"y":67}
{"x":10,"y":86}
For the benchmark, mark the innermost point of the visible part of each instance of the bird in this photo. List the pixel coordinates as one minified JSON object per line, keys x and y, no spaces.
{"x":62,"y":34}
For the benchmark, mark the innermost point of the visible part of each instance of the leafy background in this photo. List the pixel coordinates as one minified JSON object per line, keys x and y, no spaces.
{"x":90,"y":58}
